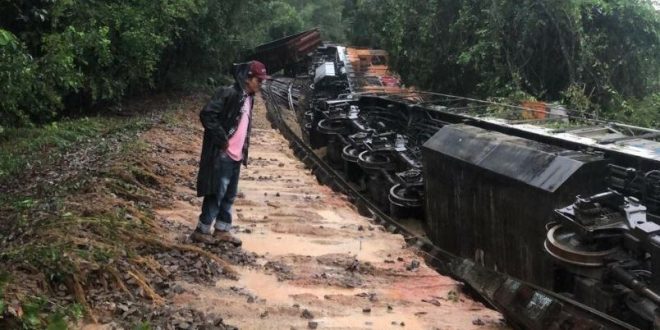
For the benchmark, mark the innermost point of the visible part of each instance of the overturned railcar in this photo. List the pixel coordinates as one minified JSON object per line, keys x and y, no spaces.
{"x":495,"y":186}
{"x":488,"y":195}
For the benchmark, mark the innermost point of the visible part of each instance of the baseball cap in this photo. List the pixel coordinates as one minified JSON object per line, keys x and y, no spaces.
{"x":258,"y":69}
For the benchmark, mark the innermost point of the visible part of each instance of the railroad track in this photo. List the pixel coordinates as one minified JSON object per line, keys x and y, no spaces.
{"x":524,"y":305}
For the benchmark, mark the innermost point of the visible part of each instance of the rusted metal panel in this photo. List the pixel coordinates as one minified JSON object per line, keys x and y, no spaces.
{"x":369,"y":71}
{"x":287,"y":51}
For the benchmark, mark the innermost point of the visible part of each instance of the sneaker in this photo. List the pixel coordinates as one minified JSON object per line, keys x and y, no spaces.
{"x":200,"y":237}
{"x":225,"y":236}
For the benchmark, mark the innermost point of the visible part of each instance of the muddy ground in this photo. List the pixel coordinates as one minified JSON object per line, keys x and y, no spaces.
{"x":308,"y":260}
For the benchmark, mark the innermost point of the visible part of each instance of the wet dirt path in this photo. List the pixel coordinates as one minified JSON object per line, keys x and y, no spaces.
{"x":319,"y":263}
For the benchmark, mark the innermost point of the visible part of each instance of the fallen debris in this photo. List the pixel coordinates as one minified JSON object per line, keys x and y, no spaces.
{"x":306,"y":314}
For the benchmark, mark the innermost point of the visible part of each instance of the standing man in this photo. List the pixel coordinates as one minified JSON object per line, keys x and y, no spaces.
{"x":227,"y":123}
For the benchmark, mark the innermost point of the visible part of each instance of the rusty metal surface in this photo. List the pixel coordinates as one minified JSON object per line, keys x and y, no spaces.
{"x":288,"y":51}
{"x":561,"y":243}
{"x":368,"y":71}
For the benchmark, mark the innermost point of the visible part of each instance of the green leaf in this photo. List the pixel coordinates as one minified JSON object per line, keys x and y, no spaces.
{"x":143,"y":326}
{"x":31,"y":319}
{"x":77,"y":311}
{"x":57,"y":322}
{"x":6,"y":37}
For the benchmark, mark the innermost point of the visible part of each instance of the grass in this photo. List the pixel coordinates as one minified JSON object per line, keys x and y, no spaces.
{"x":25,"y":148}
{"x":95,"y":223}
{"x":45,"y":232}
{"x":37,"y":312}
{"x":50,"y":236}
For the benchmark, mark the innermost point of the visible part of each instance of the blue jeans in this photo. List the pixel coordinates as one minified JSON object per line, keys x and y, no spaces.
{"x":218,"y":207}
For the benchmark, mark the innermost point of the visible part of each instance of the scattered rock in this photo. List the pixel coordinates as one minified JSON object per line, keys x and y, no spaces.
{"x":478,"y":322}
{"x":312,"y":324}
{"x":413,"y":265}
{"x":354,"y":266}
{"x":271,"y":204}
{"x":306,"y":314}
{"x":366,"y":310}
{"x":282,"y":270}
{"x":434,"y":302}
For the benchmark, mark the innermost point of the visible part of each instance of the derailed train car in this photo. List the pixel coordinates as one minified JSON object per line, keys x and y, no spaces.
{"x":566,"y":203}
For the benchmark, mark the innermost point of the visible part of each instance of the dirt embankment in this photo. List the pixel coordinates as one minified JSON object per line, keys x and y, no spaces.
{"x":308,"y":259}
{"x":80,"y":242}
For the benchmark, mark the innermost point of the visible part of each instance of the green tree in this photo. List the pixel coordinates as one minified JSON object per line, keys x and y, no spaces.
{"x":61,"y":56}
{"x":324,"y":14}
{"x":285,"y":20}
{"x":602,"y":51}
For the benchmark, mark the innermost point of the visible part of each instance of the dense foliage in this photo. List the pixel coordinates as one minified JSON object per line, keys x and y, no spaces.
{"x":73,"y":53}
{"x":598,"y":56}
{"x":61,"y":56}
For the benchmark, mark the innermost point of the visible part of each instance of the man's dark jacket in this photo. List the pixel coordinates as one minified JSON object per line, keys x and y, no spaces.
{"x":220,"y":119}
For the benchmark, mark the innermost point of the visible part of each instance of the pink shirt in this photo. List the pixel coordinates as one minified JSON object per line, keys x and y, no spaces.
{"x":236,"y":142}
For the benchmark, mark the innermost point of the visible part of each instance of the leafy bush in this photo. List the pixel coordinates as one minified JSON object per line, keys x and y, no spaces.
{"x":72,"y":54}
{"x":18,"y":73}
{"x":644,"y":112}
{"x":601,"y":54}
